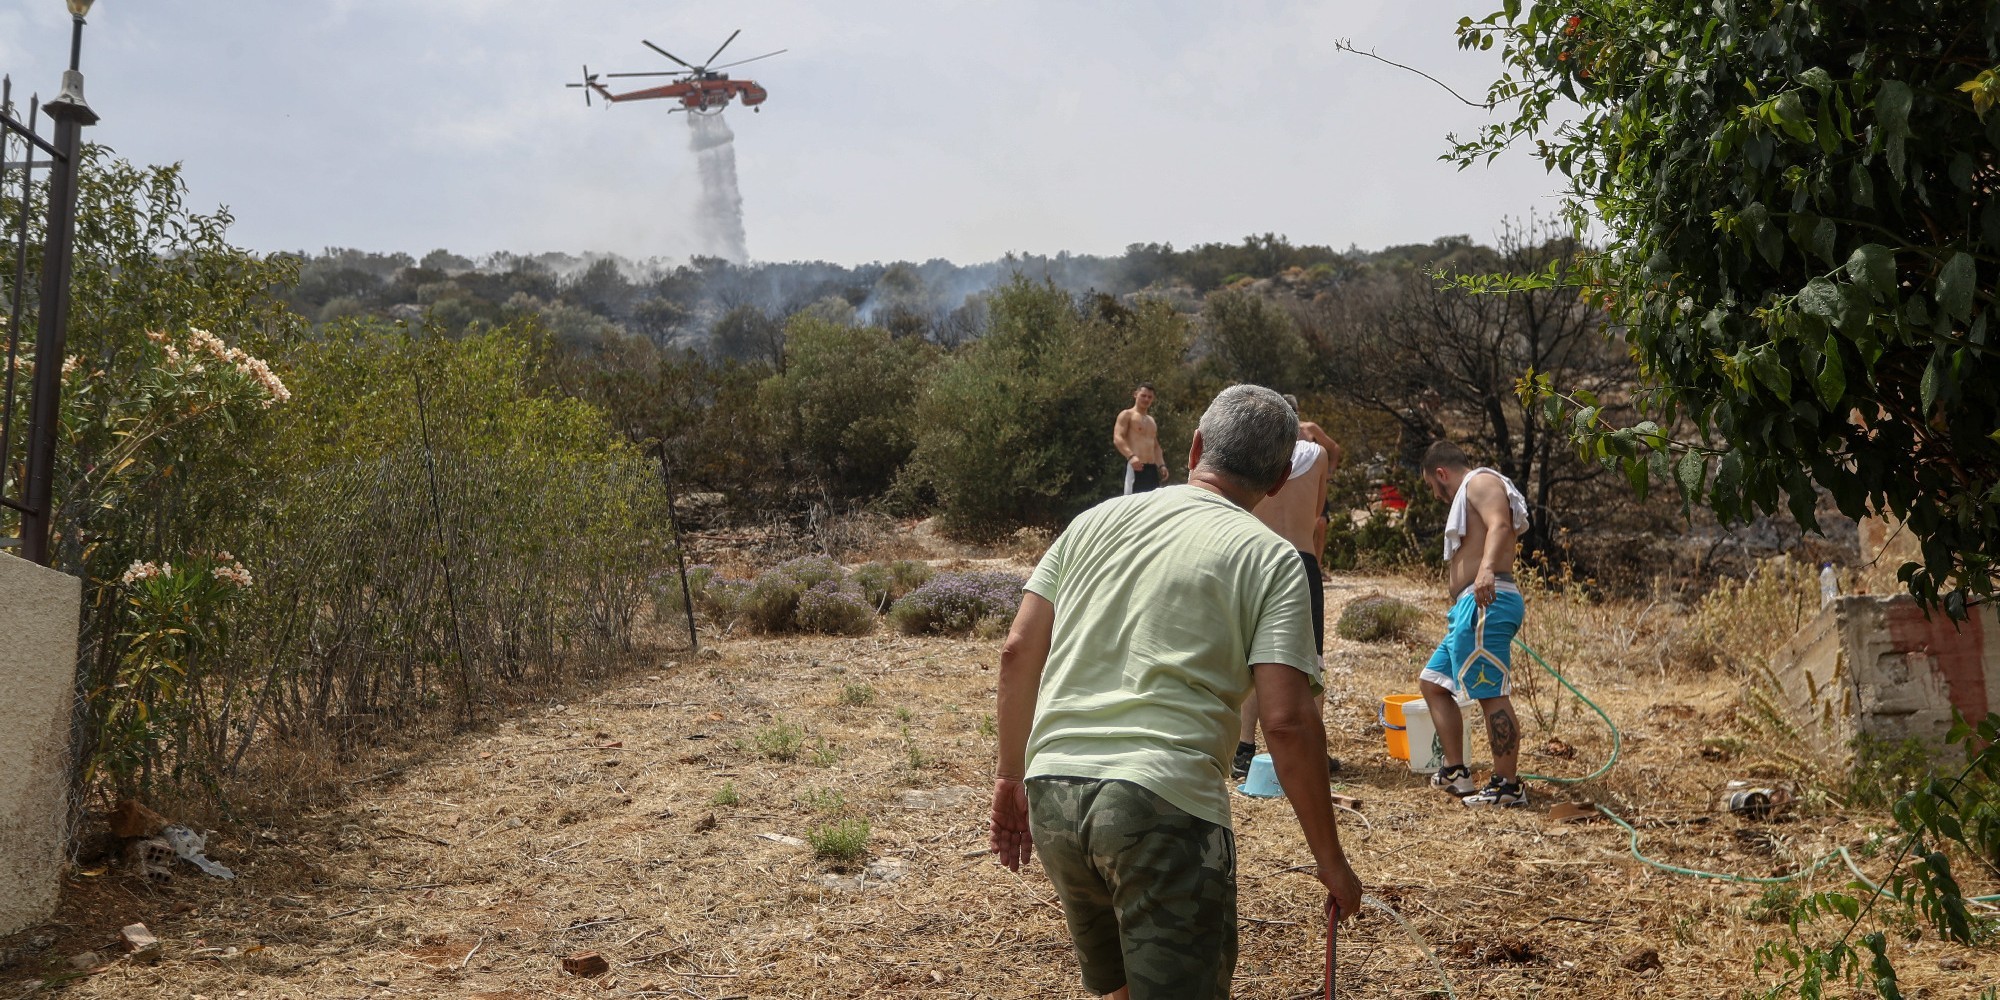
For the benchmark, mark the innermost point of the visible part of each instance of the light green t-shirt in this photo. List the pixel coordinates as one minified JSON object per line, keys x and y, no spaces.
{"x":1163,"y":601}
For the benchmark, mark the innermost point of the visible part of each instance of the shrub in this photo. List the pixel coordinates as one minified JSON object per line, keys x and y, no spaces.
{"x":781,"y":741}
{"x":831,"y":609}
{"x":1012,"y":429}
{"x":772,"y":603}
{"x":857,"y":695}
{"x":1775,"y":905}
{"x":823,"y":800}
{"x":726,"y":795}
{"x":850,"y":395}
{"x":1377,"y":617}
{"x":845,"y":840}
{"x":885,"y":583}
{"x":1732,"y":625}
{"x":709,"y":590}
{"x":955,"y":603}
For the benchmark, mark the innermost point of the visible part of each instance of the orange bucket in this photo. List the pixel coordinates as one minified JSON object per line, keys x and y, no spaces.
{"x":1394,"y":727}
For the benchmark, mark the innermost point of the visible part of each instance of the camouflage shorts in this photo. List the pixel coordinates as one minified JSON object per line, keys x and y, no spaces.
{"x":1148,"y":890}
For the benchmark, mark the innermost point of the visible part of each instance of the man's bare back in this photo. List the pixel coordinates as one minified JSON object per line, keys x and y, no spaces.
{"x":1294,"y":511}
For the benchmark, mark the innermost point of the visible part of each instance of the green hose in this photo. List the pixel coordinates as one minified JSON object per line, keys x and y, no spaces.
{"x":1617,"y":738}
{"x":1617,"y":744}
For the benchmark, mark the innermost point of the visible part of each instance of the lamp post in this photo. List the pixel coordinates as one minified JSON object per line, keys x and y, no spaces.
{"x":70,"y":113}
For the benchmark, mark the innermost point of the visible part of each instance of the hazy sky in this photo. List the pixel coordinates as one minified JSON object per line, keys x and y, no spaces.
{"x":895,"y":130}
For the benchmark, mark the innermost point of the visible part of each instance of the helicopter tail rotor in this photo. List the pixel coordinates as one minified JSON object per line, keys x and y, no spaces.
{"x":589,"y":84}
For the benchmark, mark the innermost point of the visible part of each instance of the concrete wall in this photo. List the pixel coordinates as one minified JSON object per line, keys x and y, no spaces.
{"x":1875,"y":666}
{"x":39,"y":611}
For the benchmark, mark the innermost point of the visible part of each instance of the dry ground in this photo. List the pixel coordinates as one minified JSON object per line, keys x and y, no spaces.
{"x":596,"y":826}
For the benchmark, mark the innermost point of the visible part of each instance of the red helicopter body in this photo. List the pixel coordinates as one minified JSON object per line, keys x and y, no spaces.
{"x":700,"y":91}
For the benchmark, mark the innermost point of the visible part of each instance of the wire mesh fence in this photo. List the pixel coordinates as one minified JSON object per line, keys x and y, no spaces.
{"x":475,"y":557}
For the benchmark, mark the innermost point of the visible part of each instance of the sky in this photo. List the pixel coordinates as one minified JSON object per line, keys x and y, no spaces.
{"x":895,"y":129}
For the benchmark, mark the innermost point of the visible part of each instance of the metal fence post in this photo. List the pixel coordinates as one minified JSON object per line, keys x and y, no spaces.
{"x":680,"y":548}
{"x":71,"y":114}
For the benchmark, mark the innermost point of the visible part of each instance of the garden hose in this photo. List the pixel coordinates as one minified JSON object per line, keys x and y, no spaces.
{"x":1617,"y":737}
{"x":1617,"y":744}
{"x":1436,"y":965}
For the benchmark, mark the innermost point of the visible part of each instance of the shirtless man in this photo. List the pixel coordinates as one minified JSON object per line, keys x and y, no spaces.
{"x":1487,"y":515}
{"x":1137,"y":438}
{"x":1292,"y":513}
{"x":1309,"y":431}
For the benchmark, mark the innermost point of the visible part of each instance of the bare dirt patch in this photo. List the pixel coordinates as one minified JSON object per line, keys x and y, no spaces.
{"x":667,"y":823}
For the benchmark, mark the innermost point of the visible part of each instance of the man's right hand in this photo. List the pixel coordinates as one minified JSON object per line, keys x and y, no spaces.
{"x":1343,"y":889}
{"x":1136,"y":463}
{"x":1010,"y":840}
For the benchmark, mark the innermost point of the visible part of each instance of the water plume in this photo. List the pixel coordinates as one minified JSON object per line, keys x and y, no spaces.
{"x":718,"y":217}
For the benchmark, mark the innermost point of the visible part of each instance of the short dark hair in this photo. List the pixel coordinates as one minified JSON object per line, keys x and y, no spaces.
{"x":1148,"y":386}
{"x":1445,"y":455}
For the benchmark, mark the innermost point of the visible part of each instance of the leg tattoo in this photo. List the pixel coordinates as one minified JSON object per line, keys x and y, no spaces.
{"x":1505,"y":732}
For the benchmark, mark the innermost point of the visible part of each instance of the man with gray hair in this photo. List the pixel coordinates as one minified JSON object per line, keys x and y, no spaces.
{"x":1142,"y":631}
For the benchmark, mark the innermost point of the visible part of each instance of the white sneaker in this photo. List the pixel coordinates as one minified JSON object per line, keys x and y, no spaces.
{"x":1499,"y":794}
{"x":1455,"y":780}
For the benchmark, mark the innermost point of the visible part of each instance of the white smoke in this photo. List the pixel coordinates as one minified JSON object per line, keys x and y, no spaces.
{"x":718,"y":219}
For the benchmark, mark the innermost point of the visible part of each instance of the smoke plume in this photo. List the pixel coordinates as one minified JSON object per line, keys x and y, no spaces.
{"x":718,"y":219}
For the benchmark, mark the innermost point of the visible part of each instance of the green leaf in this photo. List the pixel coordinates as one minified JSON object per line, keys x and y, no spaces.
{"x":1635,"y":476}
{"x":1770,"y":371}
{"x":1892,"y":115}
{"x":1861,"y":186}
{"x":1824,"y":236}
{"x":1766,"y":237}
{"x":1892,"y":108}
{"x":1820,"y":298}
{"x":1832,"y":381}
{"x":1873,"y":267}
{"x":1818,"y":79}
{"x":1728,"y":480}
{"x":1792,"y":116}
{"x":1689,"y":473}
{"x":1927,"y":390}
{"x":1955,"y":285}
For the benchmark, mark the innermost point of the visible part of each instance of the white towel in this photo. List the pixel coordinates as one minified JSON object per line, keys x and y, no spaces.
{"x":1454,"y":522}
{"x":1304,"y":454}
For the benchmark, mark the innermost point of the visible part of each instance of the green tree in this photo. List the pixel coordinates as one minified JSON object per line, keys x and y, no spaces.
{"x":1251,"y":338}
{"x":1802,"y":238}
{"x":1016,"y":429}
{"x":850,"y":395}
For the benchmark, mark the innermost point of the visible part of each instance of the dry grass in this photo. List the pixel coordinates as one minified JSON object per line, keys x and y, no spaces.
{"x":597,"y":825}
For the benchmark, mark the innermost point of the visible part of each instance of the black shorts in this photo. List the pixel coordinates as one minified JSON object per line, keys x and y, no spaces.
{"x":1142,"y":479}
{"x":1317,"y":588}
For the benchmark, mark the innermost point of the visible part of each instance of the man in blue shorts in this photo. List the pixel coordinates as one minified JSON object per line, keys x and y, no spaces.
{"x":1486,"y":519}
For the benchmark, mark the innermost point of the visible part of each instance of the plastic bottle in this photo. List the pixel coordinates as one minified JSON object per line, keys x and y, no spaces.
{"x":1829,"y":584}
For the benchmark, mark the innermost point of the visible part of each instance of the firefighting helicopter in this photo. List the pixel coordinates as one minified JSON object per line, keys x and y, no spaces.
{"x":704,"y":91}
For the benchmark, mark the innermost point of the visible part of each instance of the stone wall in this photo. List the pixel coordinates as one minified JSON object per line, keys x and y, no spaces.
{"x":39,"y":611}
{"x":1877,"y":667}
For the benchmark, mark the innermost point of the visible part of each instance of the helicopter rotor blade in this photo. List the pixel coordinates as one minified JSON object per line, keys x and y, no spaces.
{"x":676,"y":72}
{"x":588,"y":80}
{"x":664,"y":52}
{"x":724,"y":45}
{"x":740,"y":62}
